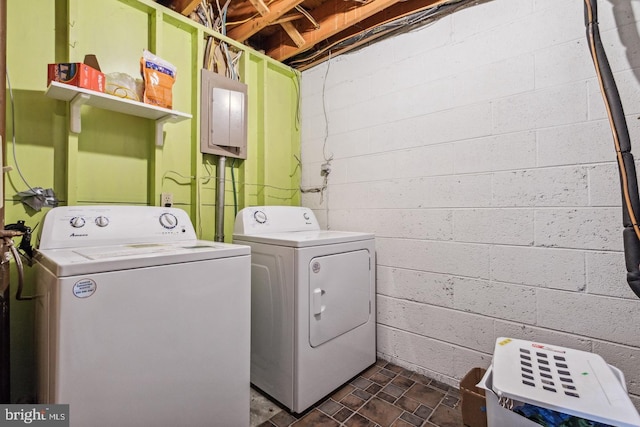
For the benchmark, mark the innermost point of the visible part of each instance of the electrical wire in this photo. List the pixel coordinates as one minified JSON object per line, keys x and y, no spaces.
{"x":20,"y":269}
{"x":393,"y":27}
{"x":13,"y":133}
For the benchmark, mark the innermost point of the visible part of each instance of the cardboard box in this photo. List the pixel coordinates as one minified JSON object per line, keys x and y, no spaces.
{"x":474,"y":406}
{"x":76,"y":74}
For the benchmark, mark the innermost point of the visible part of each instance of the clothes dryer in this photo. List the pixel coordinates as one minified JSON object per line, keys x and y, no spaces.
{"x":139,"y":323}
{"x":312,"y":303}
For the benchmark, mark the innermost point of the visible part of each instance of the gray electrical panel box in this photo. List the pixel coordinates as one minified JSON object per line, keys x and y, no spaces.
{"x":223,"y":120}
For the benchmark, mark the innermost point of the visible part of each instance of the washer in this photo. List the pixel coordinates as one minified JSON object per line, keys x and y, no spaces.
{"x":139,"y":323}
{"x":312,"y":303}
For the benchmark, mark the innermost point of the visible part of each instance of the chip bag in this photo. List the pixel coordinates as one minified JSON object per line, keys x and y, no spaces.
{"x":159,"y":76}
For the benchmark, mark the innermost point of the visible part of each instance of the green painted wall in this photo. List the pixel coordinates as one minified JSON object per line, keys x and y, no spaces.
{"x":114,"y":159}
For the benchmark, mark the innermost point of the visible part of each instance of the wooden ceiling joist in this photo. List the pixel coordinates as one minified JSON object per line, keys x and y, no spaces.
{"x":291,"y":31}
{"x":332,"y":17}
{"x":276,"y":10}
{"x":260,"y":6}
{"x":185,"y":7}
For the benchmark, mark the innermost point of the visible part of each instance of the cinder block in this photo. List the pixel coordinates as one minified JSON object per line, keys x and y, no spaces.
{"x":456,"y":191}
{"x":423,"y":161}
{"x":427,"y":224}
{"x":592,"y":316}
{"x":624,"y":358}
{"x":457,"y":327}
{"x":422,"y":98}
{"x":607,"y":275}
{"x":487,"y":16}
{"x":418,"y":350}
{"x":347,"y":196}
{"x":604,"y":186}
{"x":533,"y":333}
{"x":540,"y":109}
{"x":497,"y":226}
{"x":415,"y":43}
{"x":461,"y":259}
{"x":498,"y":80}
{"x":541,"y":267}
{"x":430,"y":288}
{"x":566,"y":186}
{"x":583,"y":228}
{"x":464,"y":359}
{"x":496,"y":153}
{"x":562,"y":64}
{"x":579,"y":143}
{"x":373,"y":167}
{"x":498,"y":300}
{"x":345,"y":145}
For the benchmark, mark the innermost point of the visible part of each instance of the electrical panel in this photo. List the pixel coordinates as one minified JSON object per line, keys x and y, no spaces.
{"x":223,"y":120}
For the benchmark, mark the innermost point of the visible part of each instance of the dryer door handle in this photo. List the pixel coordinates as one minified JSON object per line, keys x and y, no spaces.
{"x":318,"y":308}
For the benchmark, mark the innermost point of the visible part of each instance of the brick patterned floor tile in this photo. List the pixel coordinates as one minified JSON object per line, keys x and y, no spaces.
{"x":425,"y":395}
{"x":380,"y":412}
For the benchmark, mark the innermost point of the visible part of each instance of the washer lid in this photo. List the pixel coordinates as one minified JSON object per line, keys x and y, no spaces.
{"x":303,"y":239}
{"x":99,"y":259}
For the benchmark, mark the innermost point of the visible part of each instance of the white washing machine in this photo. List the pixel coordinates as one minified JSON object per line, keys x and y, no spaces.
{"x":139,"y":323}
{"x":312,"y":303}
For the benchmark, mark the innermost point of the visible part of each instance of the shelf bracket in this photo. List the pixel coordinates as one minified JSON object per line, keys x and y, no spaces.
{"x":160,"y":128}
{"x":74,"y":106}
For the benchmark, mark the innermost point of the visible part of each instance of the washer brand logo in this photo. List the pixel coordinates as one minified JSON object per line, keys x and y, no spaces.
{"x":315,"y":267}
{"x":78,"y":235}
{"x":41,"y":415}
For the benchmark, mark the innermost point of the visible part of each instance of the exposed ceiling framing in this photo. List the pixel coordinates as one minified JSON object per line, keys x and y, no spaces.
{"x":303,"y":33}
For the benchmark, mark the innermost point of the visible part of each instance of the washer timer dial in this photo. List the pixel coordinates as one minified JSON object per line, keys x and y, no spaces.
{"x":102,"y":221}
{"x":77,"y":222}
{"x":168,"y":221}
{"x":260,"y":217}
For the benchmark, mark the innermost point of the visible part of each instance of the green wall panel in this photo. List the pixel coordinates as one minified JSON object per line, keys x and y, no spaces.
{"x":114,"y":158}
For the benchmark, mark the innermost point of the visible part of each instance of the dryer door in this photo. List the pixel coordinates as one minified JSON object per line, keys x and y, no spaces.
{"x":340,"y":286}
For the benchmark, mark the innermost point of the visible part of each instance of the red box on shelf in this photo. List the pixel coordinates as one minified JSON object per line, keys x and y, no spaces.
{"x":76,"y":74}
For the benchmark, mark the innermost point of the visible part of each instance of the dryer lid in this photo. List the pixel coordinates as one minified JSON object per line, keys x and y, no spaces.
{"x":288,"y":226}
{"x":304,"y":239}
{"x":274,"y":219}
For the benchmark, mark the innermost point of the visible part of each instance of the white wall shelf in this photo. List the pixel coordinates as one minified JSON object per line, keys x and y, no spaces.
{"x":78,"y":97}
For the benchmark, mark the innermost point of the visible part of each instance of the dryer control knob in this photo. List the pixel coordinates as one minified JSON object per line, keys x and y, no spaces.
{"x":102,"y":221}
{"x":260,"y":217}
{"x":77,"y":222}
{"x":168,"y":221}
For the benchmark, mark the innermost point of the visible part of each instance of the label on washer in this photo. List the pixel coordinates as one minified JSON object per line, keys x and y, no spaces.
{"x":84,"y":288}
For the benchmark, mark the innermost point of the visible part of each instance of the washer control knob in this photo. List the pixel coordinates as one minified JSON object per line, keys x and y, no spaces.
{"x":168,"y":221}
{"x":77,"y":222}
{"x":260,"y":217}
{"x":102,"y":221}
{"x":306,"y":216}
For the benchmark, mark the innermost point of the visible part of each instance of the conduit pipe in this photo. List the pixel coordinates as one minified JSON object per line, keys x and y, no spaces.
{"x":622,"y":143}
{"x":220,"y":181}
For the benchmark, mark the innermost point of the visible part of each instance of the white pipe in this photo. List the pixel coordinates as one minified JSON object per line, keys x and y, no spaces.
{"x":220,"y":177}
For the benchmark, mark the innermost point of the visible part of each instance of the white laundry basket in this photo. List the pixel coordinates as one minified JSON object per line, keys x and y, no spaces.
{"x":569,"y":381}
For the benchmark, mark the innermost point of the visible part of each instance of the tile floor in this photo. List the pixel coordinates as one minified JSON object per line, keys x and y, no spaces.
{"x":384,"y":395}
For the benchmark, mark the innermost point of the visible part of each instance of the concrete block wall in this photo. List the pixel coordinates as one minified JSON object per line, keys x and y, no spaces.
{"x":478,"y":151}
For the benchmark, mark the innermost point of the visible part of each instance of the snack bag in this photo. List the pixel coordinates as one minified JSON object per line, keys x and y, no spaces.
{"x":159,"y":76}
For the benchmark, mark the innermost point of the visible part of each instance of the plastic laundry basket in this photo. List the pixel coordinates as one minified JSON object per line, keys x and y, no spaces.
{"x":568,"y":381}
